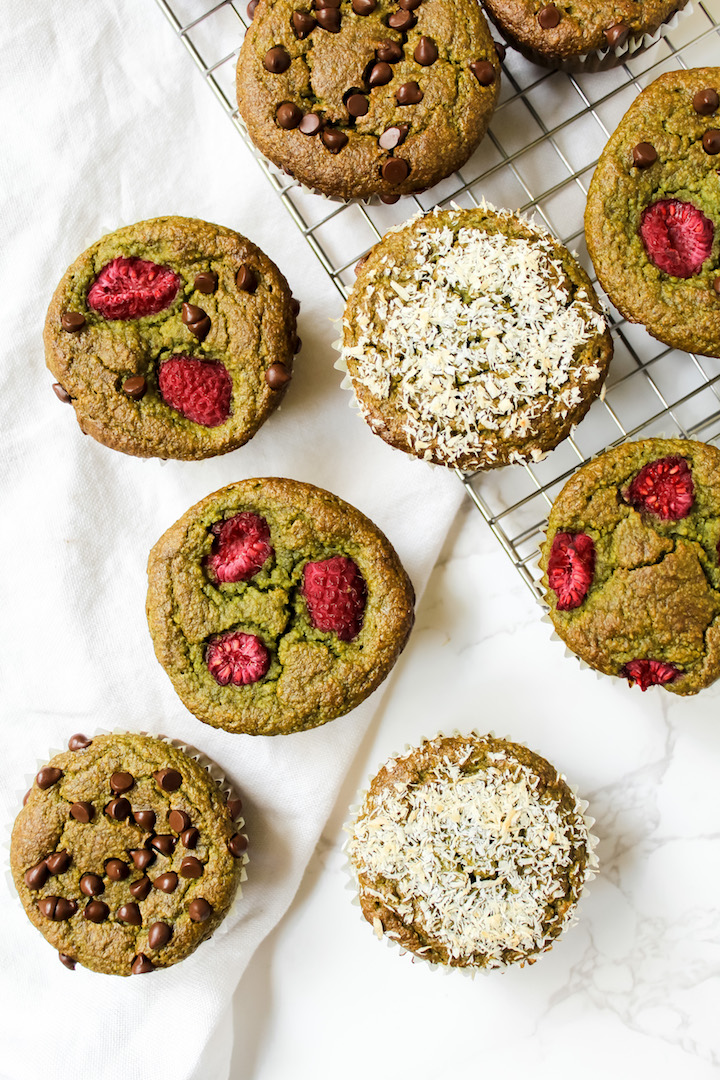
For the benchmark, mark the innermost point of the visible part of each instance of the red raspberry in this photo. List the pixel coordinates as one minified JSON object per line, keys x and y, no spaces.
{"x":132,"y":288}
{"x":335,"y":594}
{"x":664,"y":488}
{"x":570,"y":568}
{"x":677,"y":236}
{"x":237,"y":658}
{"x":199,"y":389}
{"x":240,"y":547}
{"x":644,"y":673}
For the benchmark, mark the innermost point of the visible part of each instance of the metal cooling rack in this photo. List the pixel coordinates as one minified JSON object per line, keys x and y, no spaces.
{"x":538,"y":157}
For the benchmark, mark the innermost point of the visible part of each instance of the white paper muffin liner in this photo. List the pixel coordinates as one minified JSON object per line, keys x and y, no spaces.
{"x":351,"y":885}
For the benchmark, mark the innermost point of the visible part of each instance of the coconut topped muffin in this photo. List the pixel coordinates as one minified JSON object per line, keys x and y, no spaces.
{"x":473,"y":339}
{"x":471,"y":851}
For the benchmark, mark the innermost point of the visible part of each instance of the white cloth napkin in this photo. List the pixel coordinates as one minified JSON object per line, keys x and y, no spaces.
{"x":106,"y":122}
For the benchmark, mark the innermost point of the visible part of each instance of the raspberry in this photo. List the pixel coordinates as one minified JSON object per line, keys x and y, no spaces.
{"x":240,"y":547}
{"x":335,"y":593}
{"x":132,"y":288}
{"x":237,"y":658}
{"x":570,"y":568}
{"x":644,"y":673}
{"x":198,"y":389}
{"x":677,"y":236}
{"x":664,"y":488}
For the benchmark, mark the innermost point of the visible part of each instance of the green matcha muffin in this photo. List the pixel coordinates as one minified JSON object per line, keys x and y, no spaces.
{"x":471,"y":851}
{"x":274,"y":607}
{"x":630,"y":564}
{"x":126,"y":855}
{"x":368,"y":97}
{"x":653,"y":213}
{"x":473,"y":339}
{"x":172,"y":338}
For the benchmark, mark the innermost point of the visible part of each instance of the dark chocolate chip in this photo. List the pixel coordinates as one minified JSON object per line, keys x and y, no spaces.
{"x":191,"y":867}
{"x":196,"y":320}
{"x":402,"y":20}
{"x":711,"y":141}
{"x":389,"y":52}
{"x":334,"y":140}
{"x":288,"y":115}
{"x":170,"y":779}
{"x":616,"y":35}
{"x":357,"y":105}
{"x":500,"y":50}
{"x":145,"y":819}
{"x":190,"y":838}
{"x":37,"y":875}
{"x":79,"y":742}
{"x":72,"y":322}
{"x":141,"y":857}
{"x":426,"y":52}
{"x":135,"y":387}
{"x":129,"y":913}
{"x":159,"y":934}
{"x":206,"y":282}
{"x":409,"y":94}
{"x":251,"y":9}
{"x":235,"y":807}
{"x":394,"y":136}
{"x":549,"y":17}
{"x":57,"y":908}
{"x":178,"y":820}
{"x":47,"y":906}
{"x":310,"y":124}
{"x":120,"y":782}
{"x":277,"y":376}
{"x":329,"y":19}
{"x":58,"y":862}
{"x":141,"y":965}
{"x":395,"y":170}
{"x":364,"y":7}
{"x":706,"y":102}
{"x":238,"y":844}
{"x":277,"y":60}
{"x":483,"y":71}
{"x":199,"y":910}
{"x":92,"y":885}
{"x":389,"y":200}
{"x":303,"y":24}
{"x":380,"y":74}
{"x":61,"y":393}
{"x":47,"y":777}
{"x":82,"y":811}
{"x":118,"y":809}
{"x":644,"y":155}
{"x":96,"y":911}
{"x":67,"y":961}
{"x":164,"y":843}
{"x":166,"y":882}
{"x":117,"y":870}
{"x":141,"y":888}
{"x":294,"y":306}
{"x":246,"y":281}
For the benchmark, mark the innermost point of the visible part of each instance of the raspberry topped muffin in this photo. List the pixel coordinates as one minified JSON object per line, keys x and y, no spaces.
{"x":172,"y":338}
{"x":274,"y":607}
{"x":631,"y":564}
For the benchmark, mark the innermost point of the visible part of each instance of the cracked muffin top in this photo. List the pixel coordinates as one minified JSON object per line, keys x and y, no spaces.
{"x":126,"y":854}
{"x":471,"y":851}
{"x":367,"y":97}
{"x":172,"y":338}
{"x":631,"y":564}
{"x":274,"y":607}
{"x":653,"y":213}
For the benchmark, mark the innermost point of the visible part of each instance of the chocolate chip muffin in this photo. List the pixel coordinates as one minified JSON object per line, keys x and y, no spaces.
{"x":126,"y":854}
{"x":473,"y":339}
{"x":172,"y":338}
{"x":471,"y":851}
{"x":653,"y":213}
{"x":367,"y":97}
{"x":631,"y":564}
{"x":274,"y":607}
{"x":561,"y":35}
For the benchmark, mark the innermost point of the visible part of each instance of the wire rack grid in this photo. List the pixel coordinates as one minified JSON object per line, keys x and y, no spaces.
{"x":538,"y":157}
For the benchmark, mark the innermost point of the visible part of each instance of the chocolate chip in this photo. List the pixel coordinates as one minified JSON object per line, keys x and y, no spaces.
{"x":96,"y":911}
{"x":393,"y":137}
{"x":357,"y":105}
{"x":190,"y":838}
{"x":129,"y":913}
{"x":117,"y":870}
{"x":409,"y":94}
{"x":37,"y":875}
{"x":238,"y":844}
{"x":145,"y":819}
{"x":549,"y":17}
{"x":483,"y":71}
{"x":716,"y":285}
{"x":159,"y":934}
{"x":235,"y":807}
{"x":294,"y":306}
{"x":82,"y":811}
{"x":165,"y":844}
{"x":199,"y":910}
{"x":364,"y":7}
{"x":310,"y":124}
{"x":251,"y":9}
{"x":170,"y":779}
{"x":196,"y":320}
{"x":711,"y":141}
{"x":141,"y":965}
{"x":389,"y":52}
{"x":329,"y":19}
{"x":380,"y":74}
{"x":426,"y":52}
{"x":296,"y":345}
{"x":135,"y":387}
{"x":141,"y":857}
{"x":166,"y":882}
{"x":141,"y":888}
{"x":118,"y":809}
{"x":616,"y":35}
{"x":178,"y":820}
{"x":120,"y":782}
{"x":47,"y":777}
{"x":288,"y":115}
{"x":246,"y":281}
{"x":706,"y":102}
{"x":26,"y":796}
{"x":644,"y":155}
{"x":79,"y":742}
{"x":303,"y":24}
{"x":67,"y":961}
{"x":58,"y":862}
{"x":61,"y":393}
{"x":191,"y":867}
{"x":277,"y":60}
{"x":326,"y":3}
{"x":402,"y":20}
{"x":57,"y":908}
{"x":277,"y":376}
{"x":334,"y":140}
{"x":206,"y":282}
{"x":72,"y":322}
{"x":92,"y":885}
{"x":500,"y":50}
{"x":389,"y":200}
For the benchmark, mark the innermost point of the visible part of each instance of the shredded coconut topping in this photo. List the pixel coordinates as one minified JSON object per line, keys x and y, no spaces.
{"x":477,"y":335}
{"x":474,"y":860}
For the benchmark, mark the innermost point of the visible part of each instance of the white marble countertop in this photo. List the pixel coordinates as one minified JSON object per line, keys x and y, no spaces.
{"x":633,"y":989}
